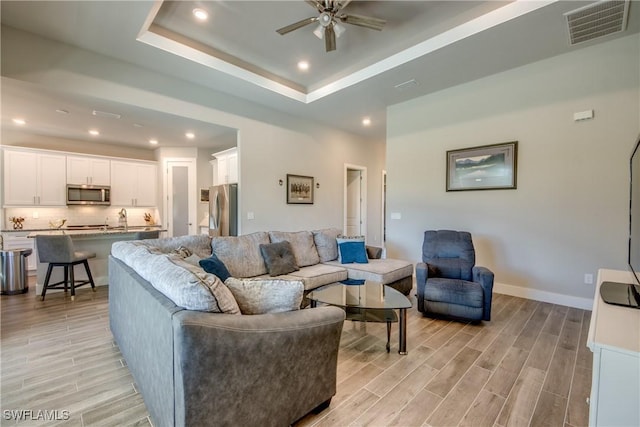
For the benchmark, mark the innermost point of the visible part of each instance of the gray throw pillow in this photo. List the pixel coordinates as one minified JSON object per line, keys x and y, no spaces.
{"x":326,"y":245}
{"x":278,"y":258}
{"x":261,"y":296}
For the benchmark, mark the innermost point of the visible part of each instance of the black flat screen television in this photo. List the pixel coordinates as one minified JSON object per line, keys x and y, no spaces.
{"x":628,"y":294}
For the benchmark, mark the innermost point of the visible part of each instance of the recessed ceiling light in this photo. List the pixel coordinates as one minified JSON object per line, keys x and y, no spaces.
{"x":303,"y":65}
{"x":366,"y":121}
{"x":153,"y":141}
{"x":200,"y":14}
{"x":94,"y":132}
{"x":190,"y":135}
{"x":137,"y":125}
{"x":19,"y":122}
{"x":61,"y":111}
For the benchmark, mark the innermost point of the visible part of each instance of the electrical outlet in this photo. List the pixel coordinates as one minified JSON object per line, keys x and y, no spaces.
{"x":588,"y":279}
{"x":35,"y":215}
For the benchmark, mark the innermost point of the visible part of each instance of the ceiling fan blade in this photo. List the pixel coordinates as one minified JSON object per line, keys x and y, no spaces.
{"x":363,"y":21}
{"x":284,"y":30}
{"x":329,"y":38}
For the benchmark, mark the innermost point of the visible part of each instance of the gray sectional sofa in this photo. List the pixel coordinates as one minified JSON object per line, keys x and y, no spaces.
{"x":197,"y":360}
{"x":316,"y":254}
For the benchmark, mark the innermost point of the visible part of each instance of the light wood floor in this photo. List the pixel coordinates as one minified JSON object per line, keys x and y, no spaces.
{"x":528,"y":366}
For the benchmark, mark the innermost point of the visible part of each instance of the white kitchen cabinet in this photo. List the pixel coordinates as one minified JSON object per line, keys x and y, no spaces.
{"x":614,"y":339}
{"x":88,"y":170}
{"x":225,"y":167}
{"x":34,"y":178}
{"x":21,"y":241}
{"x":133,"y":184}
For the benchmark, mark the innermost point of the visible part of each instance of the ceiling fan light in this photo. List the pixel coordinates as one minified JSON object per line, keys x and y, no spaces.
{"x":319,"y":32}
{"x":338,"y":29}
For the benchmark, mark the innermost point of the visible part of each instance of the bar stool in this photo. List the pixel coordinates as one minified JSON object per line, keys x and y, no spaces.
{"x":58,"y":251}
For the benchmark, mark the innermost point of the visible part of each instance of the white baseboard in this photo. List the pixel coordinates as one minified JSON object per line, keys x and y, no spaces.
{"x":545,"y":296}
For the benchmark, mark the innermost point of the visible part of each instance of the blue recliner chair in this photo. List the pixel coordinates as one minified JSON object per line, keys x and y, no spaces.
{"x":448,"y":282}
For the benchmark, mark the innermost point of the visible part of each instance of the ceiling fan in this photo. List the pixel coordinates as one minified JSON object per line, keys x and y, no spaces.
{"x":330,"y":16}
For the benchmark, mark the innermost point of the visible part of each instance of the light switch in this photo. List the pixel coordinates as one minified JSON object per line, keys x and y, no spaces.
{"x":250,"y":215}
{"x":396,"y":215}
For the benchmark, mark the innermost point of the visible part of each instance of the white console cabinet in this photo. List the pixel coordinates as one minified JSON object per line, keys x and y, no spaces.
{"x":614,"y":339}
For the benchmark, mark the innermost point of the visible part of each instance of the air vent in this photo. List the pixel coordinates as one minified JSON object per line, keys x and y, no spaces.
{"x":406,"y":85}
{"x":106,"y":114}
{"x":597,"y":20}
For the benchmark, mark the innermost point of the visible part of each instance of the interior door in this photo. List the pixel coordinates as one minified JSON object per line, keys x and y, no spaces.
{"x":354,"y":203}
{"x":181,"y":198}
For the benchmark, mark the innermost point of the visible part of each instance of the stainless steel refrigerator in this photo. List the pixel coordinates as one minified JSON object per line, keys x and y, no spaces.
{"x":223,"y":210}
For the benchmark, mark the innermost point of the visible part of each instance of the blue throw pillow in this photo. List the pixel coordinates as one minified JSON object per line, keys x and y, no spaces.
{"x":352,"y":252}
{"x":213,"y":265}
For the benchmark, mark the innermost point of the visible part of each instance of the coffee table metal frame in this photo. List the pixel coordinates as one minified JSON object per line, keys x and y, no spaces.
{"x":369,"y":302}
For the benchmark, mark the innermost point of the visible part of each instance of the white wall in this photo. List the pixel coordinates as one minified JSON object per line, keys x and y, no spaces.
{"x":569,"y":214}
{"x":270,"y":144}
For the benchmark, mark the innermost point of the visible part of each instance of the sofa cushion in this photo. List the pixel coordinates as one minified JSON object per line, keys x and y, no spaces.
{"x":304,"y":249}
{"x":214,"y":266}
{"x":383,"y":271}
{"x":317,"y":275}
{"x":326,"y":244}
{"x":352,"y":252}
{"x":279,"y":258}
{"x":241,"y":254}
{"x":186,"y":285}
{"x":261,"y":296}
{"x":198,"y":244}
{"x":454,"y":291}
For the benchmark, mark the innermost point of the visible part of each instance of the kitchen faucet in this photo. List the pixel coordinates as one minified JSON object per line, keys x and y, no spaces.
{"x":122,"y":218}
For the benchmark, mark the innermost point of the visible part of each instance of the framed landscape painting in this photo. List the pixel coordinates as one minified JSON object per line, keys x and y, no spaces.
{"x":299,"y":189}
{"x":488,"y":167}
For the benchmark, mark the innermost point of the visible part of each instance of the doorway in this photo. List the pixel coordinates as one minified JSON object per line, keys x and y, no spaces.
{"x":355,"y":200}
{"x":181,"y":197}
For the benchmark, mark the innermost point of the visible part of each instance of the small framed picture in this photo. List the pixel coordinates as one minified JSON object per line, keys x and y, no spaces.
{"x":488,"y":167}
{"x":299,"y":189}
{"x":204,"y":195}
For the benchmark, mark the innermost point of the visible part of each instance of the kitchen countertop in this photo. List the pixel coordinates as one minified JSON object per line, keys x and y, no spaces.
{"x":72,"y":229}
{"x":91,"y":232}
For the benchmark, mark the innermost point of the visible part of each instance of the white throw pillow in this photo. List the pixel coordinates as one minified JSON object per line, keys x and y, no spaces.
{"x":260,"y":296}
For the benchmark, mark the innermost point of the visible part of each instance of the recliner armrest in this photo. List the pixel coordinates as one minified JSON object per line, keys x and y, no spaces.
{"x":422,"y":273}
{"x":485,"y":277}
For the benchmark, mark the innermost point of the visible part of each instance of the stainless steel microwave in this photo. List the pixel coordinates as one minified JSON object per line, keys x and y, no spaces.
{"x":88,"y":195}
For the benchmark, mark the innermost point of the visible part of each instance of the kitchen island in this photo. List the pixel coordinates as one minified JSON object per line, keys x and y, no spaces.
{"x":91,"y":239}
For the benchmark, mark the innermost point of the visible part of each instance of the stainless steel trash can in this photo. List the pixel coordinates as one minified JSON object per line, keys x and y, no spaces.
{"x":13,"y":271}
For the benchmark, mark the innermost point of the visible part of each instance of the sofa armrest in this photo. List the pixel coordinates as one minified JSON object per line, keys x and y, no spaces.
{"x":374,"y":252}
{"x":485,"y":277}
{"x":422,"y":273}
{"x":274,"y":368}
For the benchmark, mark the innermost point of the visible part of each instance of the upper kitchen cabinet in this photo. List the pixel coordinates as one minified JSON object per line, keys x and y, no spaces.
{"x":133,"y":184}
{"x":34,"y":179}
{"x":88,"y":170}
{"x":225,"y":167}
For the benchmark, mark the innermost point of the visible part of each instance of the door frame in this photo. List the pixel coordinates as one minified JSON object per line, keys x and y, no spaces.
{"x":191,"y":165}
{"x":363,"y":197}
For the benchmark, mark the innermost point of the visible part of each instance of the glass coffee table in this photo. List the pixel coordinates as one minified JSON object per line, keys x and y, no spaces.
{"x":368,"y":302}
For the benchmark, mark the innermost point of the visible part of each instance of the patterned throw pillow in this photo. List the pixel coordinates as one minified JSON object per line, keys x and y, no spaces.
{"x":278,"y":258}
{"x":261,"y":296}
